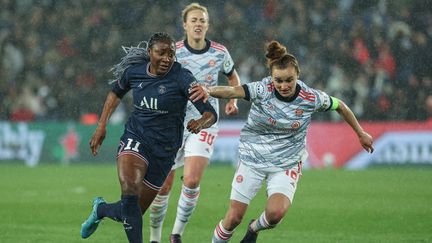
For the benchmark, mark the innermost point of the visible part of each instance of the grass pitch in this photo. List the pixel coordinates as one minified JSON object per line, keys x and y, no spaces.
{"x":48,"y":204}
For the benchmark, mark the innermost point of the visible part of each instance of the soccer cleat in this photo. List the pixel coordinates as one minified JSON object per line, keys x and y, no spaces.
{"x":90,"y":225}
{"x":250,"y":236}
{"x":154,"y":242}
{"x":175,"y":238}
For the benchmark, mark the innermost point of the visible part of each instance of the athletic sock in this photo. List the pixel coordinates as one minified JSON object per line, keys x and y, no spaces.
{"x":158,"y":210}
{"x":261,"y":224}
{"x":132,"y":218}
{"x":186,"y":205}
{"x":221,"y":235}
{"x":110,"y":210}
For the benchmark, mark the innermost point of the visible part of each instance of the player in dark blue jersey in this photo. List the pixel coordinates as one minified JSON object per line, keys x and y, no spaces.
{"x":153,"y":134}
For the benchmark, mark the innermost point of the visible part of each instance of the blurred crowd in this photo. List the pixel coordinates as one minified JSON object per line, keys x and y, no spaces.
{"x":376,"y":55}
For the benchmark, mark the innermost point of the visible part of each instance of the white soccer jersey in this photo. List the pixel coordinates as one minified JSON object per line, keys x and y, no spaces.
{"x":205,"y":65}
{"x":274,"y":136}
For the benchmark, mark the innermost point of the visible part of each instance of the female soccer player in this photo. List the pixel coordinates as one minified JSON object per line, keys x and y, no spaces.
{"x":273,"y":140}
{"x":205,"y":59}
{"x":153,"y":134}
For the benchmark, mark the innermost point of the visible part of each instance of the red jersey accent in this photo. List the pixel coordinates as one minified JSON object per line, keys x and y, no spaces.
{"x":217,"y":46}
{"x":307,"y":96}
{"x":179,"y":44}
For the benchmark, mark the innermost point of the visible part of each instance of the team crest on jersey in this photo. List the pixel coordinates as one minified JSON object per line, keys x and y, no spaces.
{"x":162,"y":89}
{"x":239,"y":178}
{"x":212,"y":63}
{"x":260,"y":89}
{"x":299,"y":112}
{"x":227,"y":64}
{"x":209,"y":77}
{"x":295,"y":125}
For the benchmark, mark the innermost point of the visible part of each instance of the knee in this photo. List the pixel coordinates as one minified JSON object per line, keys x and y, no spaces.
{"x":274,"y":216}
{"x":129,"y":186}
{"x":191,"y":181}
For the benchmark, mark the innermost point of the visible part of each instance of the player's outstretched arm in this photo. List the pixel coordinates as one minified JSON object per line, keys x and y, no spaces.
{"x":227,"y":92}
{"x":111,"y":103}
{"x":365,"y":138}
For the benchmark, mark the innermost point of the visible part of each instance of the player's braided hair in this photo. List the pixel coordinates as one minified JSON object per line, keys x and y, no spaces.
{"x":277,"y":55}
{"x":160,"y":37}
{"x":138,"y":54}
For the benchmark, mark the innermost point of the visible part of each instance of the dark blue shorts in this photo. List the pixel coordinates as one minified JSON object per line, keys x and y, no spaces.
{"x":158,"y":167}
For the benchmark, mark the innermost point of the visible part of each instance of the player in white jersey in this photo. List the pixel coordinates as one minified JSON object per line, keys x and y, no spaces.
{"x":205,"y":59}
{"x":273,"y":140}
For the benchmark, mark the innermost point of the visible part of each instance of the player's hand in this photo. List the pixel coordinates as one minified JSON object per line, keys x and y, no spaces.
{"x":97,"y":139}
{"x":194,"y":126}
{"x":231,"y":108}
{"x":366,"y":141}
{"x":198,"y":92}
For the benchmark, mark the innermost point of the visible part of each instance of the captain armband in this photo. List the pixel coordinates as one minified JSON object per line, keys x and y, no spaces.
{"x":334,"y":103}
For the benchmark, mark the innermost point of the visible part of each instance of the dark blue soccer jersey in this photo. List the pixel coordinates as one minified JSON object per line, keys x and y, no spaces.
{"x":159,"y":106}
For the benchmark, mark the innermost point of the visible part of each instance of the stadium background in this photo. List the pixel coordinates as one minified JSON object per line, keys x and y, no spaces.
{"x":374,"y":55}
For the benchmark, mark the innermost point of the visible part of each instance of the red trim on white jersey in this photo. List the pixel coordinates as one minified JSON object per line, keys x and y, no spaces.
{"x":307,"y":96}
{"x":217,"y":46}
{"x":179,"y":44}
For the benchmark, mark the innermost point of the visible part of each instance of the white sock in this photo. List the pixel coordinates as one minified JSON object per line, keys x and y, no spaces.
{"x":221,"y":235}
{"x":158,"y":210}
{"x":261,"y":224}
{"x":186,"y":205}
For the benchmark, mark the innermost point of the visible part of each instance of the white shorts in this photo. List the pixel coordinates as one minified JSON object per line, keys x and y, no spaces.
{"x":247,"y":181}
{"x":201,"y":144}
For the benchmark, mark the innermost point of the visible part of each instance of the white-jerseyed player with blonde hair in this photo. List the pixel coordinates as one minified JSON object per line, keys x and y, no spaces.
{"x":205,"y":59}
{"x":273,"y":140}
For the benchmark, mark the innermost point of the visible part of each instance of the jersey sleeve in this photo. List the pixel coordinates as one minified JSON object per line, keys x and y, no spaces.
{"x":187,"y":81}
{"x":324,"y":102}
{"x":122,"y":86}
{"x":257,"y":90}
{"x":227,"y":64}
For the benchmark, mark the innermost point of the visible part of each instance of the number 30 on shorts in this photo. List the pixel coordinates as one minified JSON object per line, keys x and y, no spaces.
{"x":206,"y":137}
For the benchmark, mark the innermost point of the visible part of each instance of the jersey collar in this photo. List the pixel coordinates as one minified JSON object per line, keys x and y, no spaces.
{"x":288,"y":99}
{"x":194,"y":51}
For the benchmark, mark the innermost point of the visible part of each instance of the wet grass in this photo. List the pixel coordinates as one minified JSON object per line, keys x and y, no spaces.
{"x":48,"y":204}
